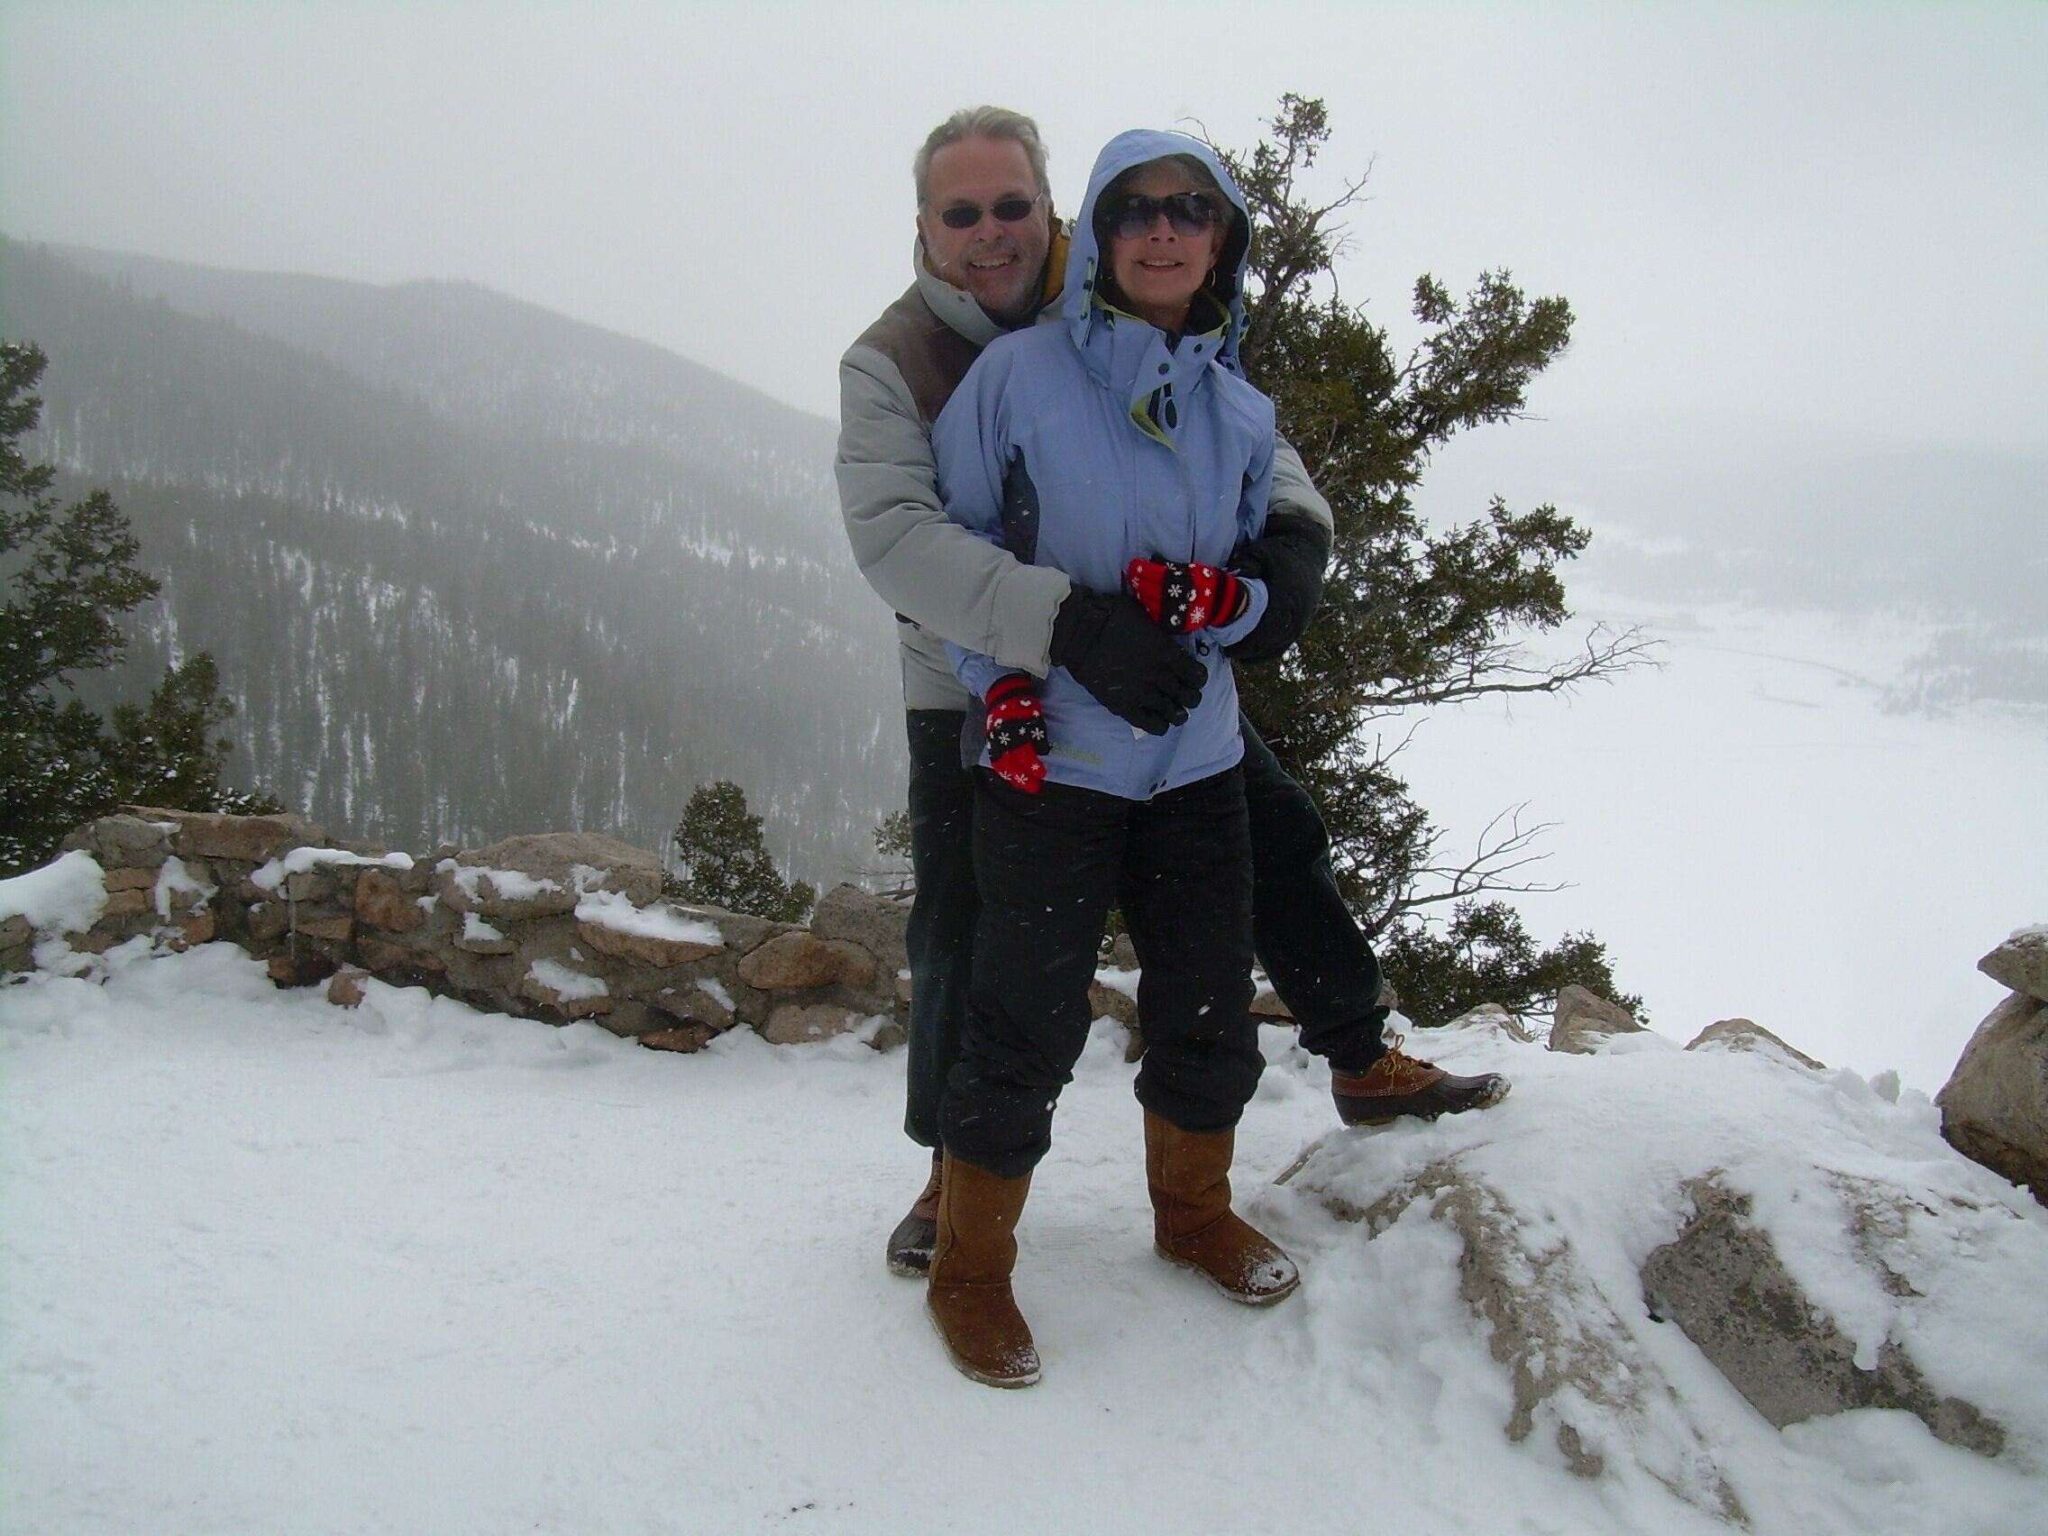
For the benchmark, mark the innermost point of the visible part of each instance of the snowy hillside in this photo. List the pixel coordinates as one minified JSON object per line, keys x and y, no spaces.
{"x":470,"y":568}
{"x":273,"y":1266}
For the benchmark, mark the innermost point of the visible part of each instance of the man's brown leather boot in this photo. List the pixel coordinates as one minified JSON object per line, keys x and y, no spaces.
{"x":910,"y":1245}
{"x":1399,"y":1084}
{"x":969,"y":1295}
{"x":1193,"y":1224}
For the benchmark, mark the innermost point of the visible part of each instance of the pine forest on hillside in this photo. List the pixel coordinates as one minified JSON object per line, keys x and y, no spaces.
{"x":471,"y":569}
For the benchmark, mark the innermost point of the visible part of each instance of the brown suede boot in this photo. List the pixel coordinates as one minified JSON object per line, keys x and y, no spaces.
{"x":969,"y":1296}
{"x":910,"y":1245}
{"x":1193,"y":1224}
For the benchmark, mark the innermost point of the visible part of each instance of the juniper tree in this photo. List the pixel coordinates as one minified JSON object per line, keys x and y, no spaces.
{"x":1410,"y":616}
{"x":69,"y":576}
{"x":724,"y":861}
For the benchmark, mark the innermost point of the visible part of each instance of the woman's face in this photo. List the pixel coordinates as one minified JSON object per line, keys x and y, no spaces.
{"x":1161,"y":267}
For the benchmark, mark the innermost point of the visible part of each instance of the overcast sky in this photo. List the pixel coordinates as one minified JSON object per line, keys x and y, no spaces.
{"x":1831,"y":215}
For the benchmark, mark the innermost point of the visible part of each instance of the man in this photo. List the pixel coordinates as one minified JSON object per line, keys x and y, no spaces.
{"x":989,"y":256}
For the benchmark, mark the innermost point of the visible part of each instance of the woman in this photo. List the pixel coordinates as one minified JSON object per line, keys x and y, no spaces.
{"x":1122,"y":447}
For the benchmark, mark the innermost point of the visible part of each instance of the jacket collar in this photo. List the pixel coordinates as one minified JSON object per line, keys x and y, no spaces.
{"x":956,"y":306}
{"x":1131,"y":358}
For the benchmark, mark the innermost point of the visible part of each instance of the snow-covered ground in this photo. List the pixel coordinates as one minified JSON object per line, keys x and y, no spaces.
{"x":1753,"y":835}
{"x":270,"y":1266}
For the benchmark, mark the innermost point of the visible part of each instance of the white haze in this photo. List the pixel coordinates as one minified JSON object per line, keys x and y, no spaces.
{"x":1825,"y":213}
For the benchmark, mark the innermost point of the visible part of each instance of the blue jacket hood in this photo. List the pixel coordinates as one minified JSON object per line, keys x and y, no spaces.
{"x":1136,"y":147}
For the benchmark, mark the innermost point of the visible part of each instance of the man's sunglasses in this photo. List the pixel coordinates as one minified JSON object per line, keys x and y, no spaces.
{"x":1008,"y":210}
{"x":1188,"y":212}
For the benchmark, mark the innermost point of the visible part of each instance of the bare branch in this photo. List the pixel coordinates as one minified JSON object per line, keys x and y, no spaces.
{"x":1497,"y":855}
{"x":1494,"y":669}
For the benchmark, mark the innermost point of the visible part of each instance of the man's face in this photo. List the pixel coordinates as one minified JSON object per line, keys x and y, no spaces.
{"x":1000,"y":264}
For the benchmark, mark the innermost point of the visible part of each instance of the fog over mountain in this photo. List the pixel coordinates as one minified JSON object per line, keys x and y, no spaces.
{"x":471,"y":568}
{"x":1950,"y":541}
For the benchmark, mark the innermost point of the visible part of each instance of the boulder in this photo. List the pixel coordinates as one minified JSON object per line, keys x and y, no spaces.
{"x":269,"y":920}
{"x":477,"y":937}
{"x":796,"y":960}
{"x":302,"y":969}
{"x":653,"y":947}
{"x":383,"y":903}
{"x":1994,"y":1107}
{"x":17,"y":943}
{"x":804,"y":1023}
{"x":401,"y":962}
{"x":252,"y":839}
{"x":1722,"y":1282}
{"x":1748,"y":1035}
{"x":333,"y":926}
{"x":122,"y":841}
{"x":125,"y":903}
{"x":678,"y":1037}
{"x":1494,"y":1019}
{"x":1575,"y":1369}
{"x":875,"y":923}
{"x":742,"y":933}
{"x":196,"y":928}
{"x":2021,"y":963}
{"x":1107,"y":1002}
{"x":689,"y":1003}
{"x":1585,"y":1021}
{"x":564,"y":989}
{"x":501,"y":895}
{"x":1268,"y":1009}
{"x":345,"y":990}
{"x":310,"y":885}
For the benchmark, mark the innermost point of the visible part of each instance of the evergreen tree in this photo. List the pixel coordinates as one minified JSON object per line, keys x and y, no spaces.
{"x":894,"y":875}
{"x":725,"y":863}
{"x":1485,"y":955}
{"x":1410,"y":616}
{"x":70,"y":575}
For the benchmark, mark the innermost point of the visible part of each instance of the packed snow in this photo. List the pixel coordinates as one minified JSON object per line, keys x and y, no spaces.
{"x":505,"y":884}
{"x":269,"y":876}
{"x":271,"y":1265}
{"x":175,"y":880}
{"x":571,"y":986}
{"x":64,"y":896}
{"x":476,"y":931}
{"x":614,"y":910}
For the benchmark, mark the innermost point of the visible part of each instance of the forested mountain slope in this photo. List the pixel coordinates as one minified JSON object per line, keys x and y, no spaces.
{"x":472,"y":568}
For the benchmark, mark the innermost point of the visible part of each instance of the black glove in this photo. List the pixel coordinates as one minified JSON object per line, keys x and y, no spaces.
{"x":1290,"y":557}
{"x":1138,"y":672}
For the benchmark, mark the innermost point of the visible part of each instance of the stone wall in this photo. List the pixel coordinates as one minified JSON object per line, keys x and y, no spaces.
{"x":559,"y":927}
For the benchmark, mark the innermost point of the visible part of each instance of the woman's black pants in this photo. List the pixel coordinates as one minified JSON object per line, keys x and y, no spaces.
{"x":1048,"y":868}
{"x":1310,"y":945}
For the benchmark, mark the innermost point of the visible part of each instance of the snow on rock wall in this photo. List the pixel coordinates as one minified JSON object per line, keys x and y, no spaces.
{"x":558,"y":927}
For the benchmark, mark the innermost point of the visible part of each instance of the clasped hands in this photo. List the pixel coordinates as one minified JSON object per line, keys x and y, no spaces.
{"x":1121,"y":649}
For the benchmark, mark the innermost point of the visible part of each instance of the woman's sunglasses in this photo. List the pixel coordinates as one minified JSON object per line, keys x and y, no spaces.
{"x":1008,"y":210}
{"x":1188,"y":212}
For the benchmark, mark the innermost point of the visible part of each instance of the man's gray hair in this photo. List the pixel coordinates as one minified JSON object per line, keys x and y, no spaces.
{"x":980,"y":123}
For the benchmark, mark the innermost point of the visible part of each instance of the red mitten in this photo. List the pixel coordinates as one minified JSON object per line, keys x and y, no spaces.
{"x":1017,"y":740}
{"x":1184,"y":598}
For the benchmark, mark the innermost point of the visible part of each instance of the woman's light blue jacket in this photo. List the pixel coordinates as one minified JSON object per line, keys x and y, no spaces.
{"x":1086,"y":441}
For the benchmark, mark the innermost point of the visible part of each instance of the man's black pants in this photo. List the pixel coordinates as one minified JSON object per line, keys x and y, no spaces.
{"x":1049,"y":866}
{"x":1313,"y":951}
